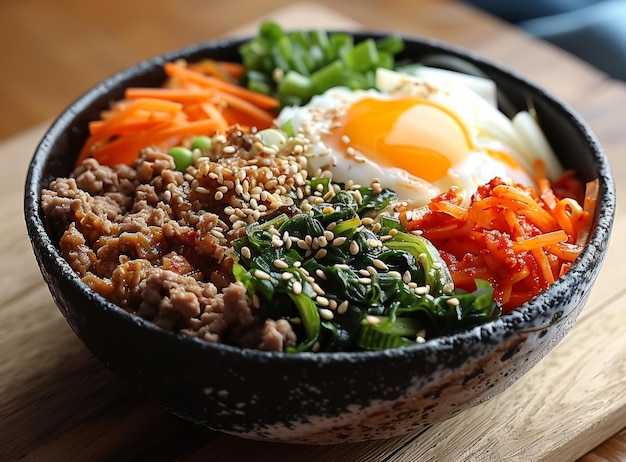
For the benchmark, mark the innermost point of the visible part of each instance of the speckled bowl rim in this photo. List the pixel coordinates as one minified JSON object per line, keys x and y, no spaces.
{"x":507,"y":325}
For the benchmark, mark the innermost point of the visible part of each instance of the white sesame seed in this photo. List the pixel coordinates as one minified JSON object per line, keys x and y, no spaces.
{"x":372,"y":320}
{"x":320,"y":274}
{"x":343,"y":307}
{"x":262,"y":275}
{"x":326,"y":313}
{"x":406,"y":277}
{"x":246,"y":252}
{"x":395,"y":274}
{"x":217,"y":233}
{"x":453,"y":302}
{"x":285,"y":276}
{"x":297,"y":288}
{"x":303,"y":245}
{"x":338,"y":241}
{"x":354,"y":248}
{"x":364,"y":281}
{"x":321,"y":253}
{"x":380,"y":264}
{"x":280,"y":264}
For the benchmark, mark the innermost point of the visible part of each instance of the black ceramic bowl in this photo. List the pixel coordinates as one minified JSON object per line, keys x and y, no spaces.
{"x":319,"y":397}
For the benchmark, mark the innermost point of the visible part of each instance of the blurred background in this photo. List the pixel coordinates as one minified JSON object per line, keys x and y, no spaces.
{"x":56,"y":49}
{"x":594,"y":30}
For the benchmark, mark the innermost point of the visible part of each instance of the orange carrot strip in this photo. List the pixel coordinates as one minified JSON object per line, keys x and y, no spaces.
{"x":545,"y":270}
{"x":540,"y":241}
{"x":257,"y":99}
{"x":264,"y":118}
{"x":223,"y":70}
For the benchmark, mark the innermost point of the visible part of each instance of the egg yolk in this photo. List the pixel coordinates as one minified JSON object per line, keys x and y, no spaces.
{"x":411,"y":133}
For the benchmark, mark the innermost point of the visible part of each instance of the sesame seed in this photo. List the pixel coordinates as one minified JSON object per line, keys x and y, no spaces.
{"x":372,"y":320}
{"x":316,"y":288}
{"x":371,"y":270}
{"x":297,"y":288}
{"x":338,"y":241}
{"x":448,"y":287}
{"x":218,"y":196}
{"x":354,"y":247}
{"x":326,"y":313}
{"x":365,"y":281}
{"x":262,"y":275}
{"x":453,"y":302}
{"x":285,"y":276}
{"x":367,"y":221}
{"x":345,"y":139}
{"x":280,"y":264}
{"x":406,"y":277}
{"x":321,"y":253}
{"x":380,"y":264}
{"x":320,"y":274}
{"x":364,"y":272}
{"x":343,"y":307}
{"x":395,"y":274}
{"x":202,"y":190}
{"x":422,"y":290}
{"x":246,"y":252}
{"x":217,"y":234}
{"x":229,"y":149}
{"x":332,"y":304}
{"x":303,"y":245}
{"x":342,"y":266}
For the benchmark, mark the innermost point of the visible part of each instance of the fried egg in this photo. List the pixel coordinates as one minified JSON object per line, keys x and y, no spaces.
{"x":413,"y":136}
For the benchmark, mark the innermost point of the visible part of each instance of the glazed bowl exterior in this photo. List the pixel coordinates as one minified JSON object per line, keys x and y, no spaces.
{"x":319,"y":398}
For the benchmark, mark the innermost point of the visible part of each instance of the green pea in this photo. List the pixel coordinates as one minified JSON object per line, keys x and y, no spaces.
{"x":182,"y":156}
{"x":203,"y":143}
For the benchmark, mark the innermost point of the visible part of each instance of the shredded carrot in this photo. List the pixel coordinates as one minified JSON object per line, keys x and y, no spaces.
{"x":202,"y":98}
{"x":518,"y":238}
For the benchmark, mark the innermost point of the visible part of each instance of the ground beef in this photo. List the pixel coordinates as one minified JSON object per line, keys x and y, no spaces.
{"x":157,"y":241}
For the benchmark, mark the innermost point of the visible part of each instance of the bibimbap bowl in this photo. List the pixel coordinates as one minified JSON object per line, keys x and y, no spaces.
{"x":320,"y":397}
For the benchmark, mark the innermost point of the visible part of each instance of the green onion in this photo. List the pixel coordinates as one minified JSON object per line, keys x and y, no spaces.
{"x":296,"y":66}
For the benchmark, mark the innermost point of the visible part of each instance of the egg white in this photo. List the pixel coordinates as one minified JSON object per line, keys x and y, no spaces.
{"x":316,"y":121}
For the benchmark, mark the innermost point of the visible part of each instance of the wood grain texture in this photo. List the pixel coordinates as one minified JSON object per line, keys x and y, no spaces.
{"x":58,"y":403}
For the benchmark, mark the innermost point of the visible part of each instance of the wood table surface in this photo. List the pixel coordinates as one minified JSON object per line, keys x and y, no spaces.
{"x":58,"y":403}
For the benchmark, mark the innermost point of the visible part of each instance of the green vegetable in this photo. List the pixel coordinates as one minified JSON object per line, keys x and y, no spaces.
{"x":203,"y":144}
{"x":345,"y":288}
{"x":298,"y":65}
{"x":182,"y":156}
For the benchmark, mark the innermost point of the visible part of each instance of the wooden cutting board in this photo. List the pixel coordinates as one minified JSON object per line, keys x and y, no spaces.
{"x":57,"y":402}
